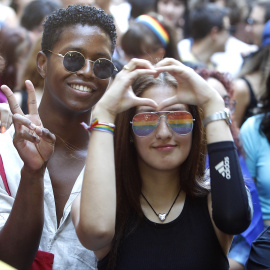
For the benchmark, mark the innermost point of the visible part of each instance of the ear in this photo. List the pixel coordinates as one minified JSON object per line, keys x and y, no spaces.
{"x":42,"y":64}
{"x":214,"y":32}
{"x":159,"y":53}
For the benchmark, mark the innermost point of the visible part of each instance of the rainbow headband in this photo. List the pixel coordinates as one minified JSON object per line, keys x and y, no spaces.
{"x":156,"y":27}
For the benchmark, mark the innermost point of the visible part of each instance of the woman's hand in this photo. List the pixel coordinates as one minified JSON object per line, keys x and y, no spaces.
{"x":192,"y":89}
{"x":34,"y":143}
{"x":120,"y":97}
{"x":5,"y":117}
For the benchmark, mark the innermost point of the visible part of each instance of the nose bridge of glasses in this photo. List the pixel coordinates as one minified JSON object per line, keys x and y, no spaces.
{"x":89,"y":60}
{"x":163,"y":122}
{"x":88,"y":65}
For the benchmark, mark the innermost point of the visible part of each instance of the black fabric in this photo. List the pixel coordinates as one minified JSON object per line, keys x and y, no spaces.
{"x":232,"y":210}
{"x":253,"y":104}
{"x":259,"y":258}
{"x":188,"y":242}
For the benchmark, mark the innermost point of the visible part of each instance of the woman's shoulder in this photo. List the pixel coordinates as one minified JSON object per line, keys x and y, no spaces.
{"x":252,"y":122}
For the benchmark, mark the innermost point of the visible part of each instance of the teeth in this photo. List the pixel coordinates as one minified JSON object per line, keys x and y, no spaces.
{"x":81,"y":88}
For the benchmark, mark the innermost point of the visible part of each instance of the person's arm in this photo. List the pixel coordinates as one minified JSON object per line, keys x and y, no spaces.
{"x":242,"y":97}
{"x":94,"y":213}
{"x":20,"y":236}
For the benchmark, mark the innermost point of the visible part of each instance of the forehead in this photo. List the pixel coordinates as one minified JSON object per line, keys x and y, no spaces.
{"x":258,"y":13}
{"x":159,"y":93}
{"x":84,"y":38}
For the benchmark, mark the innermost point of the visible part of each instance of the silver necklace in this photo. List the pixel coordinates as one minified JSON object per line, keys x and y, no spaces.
{"x":163,"y":216}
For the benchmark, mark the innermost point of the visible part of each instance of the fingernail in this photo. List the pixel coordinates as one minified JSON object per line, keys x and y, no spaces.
{"x":3,"y":129}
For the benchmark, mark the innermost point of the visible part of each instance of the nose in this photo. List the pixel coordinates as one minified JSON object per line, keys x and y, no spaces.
{"x":87,"y":70}
{"x":163,"y":132}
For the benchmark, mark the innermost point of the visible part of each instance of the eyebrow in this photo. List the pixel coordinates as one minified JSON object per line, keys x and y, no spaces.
{"x":172,"y":109}
{"x":82,"y":51}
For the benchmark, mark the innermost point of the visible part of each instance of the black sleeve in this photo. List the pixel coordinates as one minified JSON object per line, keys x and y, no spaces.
{"x":231,"y":205}
{"x":259,"y":258}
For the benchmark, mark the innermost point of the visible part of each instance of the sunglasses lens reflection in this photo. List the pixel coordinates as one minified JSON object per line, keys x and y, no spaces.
{"x":73,"y":61}
{"x":180,"y":122}
{"x":103,"y":68}
{"x":143,"y":124}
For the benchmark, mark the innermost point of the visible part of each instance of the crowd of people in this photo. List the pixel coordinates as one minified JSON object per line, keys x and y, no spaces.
{"x":135,"y":134}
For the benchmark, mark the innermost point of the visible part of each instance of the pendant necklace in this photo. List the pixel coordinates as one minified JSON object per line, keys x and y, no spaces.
{"x":163,"y":216}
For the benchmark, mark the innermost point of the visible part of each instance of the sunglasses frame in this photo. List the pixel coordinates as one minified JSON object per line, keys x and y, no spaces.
{"x":252,"y":22}
{"x":85,"y":59}
{"x":159,"y":116}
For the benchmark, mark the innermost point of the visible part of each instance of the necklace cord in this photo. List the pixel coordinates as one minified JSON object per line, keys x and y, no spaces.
{"x":169,"y":209}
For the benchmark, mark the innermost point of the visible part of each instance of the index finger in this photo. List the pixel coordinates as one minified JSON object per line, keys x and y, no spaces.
{"x":12,"y":101}
{"x":31,"y":99}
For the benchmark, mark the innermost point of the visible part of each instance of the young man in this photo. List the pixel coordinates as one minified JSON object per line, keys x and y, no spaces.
{"x":45,"y":162}
{"x":209,"y":29}
{"x":259,"y":15}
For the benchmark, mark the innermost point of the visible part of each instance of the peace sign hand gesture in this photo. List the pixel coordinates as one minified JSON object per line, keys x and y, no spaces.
{"x":34,"y":143}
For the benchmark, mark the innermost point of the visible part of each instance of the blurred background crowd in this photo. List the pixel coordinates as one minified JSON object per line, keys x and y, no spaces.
{"x":227,"y":42}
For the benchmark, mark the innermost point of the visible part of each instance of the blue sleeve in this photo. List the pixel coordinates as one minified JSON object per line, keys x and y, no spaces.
{"x":231,"y":200}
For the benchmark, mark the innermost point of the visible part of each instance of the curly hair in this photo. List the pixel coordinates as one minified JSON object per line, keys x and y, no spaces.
{"x":55,"y":24}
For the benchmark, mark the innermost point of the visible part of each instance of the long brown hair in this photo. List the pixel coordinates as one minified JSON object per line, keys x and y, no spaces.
{"x":257,"y":61}
{"x":128,"y":180}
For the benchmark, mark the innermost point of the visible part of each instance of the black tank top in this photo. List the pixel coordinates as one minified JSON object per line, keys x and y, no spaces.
{"x":188,"y":242}
{"x":253,"y":104}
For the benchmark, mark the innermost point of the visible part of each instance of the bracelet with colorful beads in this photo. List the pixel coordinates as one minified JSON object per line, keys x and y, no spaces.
{"x":99,"y":126}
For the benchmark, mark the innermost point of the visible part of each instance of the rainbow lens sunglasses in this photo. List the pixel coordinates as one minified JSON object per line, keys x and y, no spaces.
{"x":73,"y":61}
{"x":181,"y":122}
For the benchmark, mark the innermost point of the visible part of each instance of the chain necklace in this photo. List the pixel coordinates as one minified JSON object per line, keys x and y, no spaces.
{"x":163,"y":216}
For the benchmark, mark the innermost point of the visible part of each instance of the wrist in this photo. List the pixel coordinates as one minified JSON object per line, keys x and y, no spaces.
{"x":212,"y":106}
{"x":33,"y":173}
{"x":220,"y":115}
{"x":102,"y":114}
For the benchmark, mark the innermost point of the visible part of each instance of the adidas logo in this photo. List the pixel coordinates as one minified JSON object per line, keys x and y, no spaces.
{"x":223,"y":168}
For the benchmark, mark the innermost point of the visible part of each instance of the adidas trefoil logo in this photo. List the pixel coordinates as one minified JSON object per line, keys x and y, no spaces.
{"x":223,"y":168}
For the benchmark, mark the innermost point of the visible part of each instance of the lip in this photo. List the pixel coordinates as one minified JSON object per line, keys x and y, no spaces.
{"x":165,"y":147}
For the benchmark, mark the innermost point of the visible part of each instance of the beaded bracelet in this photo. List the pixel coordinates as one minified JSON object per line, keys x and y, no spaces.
{"x":99,"y":126}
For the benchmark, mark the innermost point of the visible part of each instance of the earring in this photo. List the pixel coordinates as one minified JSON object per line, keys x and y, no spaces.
{"x":131,"y":140}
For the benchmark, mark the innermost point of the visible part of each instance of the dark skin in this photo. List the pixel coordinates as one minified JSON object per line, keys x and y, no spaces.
{"x":61,"y":147}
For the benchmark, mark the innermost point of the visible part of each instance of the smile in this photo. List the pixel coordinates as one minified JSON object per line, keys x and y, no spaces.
{"x":82,"y":88}
{"x":167,"y":147}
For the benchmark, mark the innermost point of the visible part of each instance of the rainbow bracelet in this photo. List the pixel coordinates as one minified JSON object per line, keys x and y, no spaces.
{"x":99,"y":126}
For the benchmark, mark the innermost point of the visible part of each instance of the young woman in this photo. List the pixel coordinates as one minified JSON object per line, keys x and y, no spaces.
{"x":149,"y":37}
{"x":150,"y":208}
